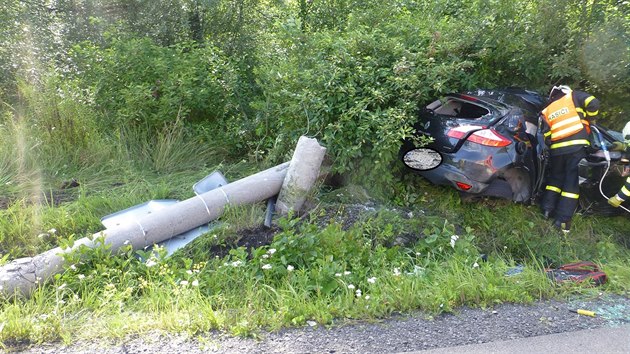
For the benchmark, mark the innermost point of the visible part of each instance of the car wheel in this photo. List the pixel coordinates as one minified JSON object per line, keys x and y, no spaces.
{"x":498,"y":188}
{"x":520,"y":184}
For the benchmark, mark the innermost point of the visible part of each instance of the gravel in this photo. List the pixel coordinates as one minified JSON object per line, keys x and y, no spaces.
{"x":399,"y":333}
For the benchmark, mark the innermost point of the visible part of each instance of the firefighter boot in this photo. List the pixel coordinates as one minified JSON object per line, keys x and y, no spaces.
{"x":564,"y":226}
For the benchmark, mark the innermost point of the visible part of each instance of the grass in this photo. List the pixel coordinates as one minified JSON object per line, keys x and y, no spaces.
{"x":308,"y":273}
{"x":420,"y":249}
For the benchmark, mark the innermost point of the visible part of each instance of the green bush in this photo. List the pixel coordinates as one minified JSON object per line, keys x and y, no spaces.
{"x":138,"y":83}
{"x":356,"y":91}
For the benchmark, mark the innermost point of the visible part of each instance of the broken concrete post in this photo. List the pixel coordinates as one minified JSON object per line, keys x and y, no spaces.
{"x":301,"y":176}
{"x":22,"y":276}
{"x":193,"y":212}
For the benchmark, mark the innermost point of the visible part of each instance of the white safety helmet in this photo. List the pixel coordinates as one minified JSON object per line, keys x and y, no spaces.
{"x":626,"y":132}
{"x":556,"y":90}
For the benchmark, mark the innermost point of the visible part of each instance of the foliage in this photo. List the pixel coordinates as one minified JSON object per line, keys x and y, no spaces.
{"x":137,"y":100}
{"x":137,"y":83}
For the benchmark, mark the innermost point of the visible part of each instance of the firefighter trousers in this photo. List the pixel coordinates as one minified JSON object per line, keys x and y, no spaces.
{"x":563,"y":189}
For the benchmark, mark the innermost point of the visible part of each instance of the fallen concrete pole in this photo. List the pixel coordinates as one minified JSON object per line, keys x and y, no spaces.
{"x":22,"y":276}
{"x":301,"y":175}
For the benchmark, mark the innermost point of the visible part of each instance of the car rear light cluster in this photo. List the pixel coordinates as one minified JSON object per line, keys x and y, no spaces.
{"x":463,"y":186}
{"x":482,"y":135}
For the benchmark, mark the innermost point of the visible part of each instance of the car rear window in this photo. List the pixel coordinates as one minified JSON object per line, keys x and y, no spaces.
{"x":456,"y":108}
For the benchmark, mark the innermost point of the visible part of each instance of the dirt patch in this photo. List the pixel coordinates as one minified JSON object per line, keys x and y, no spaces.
{"x":252,"y":238}
{"x":52,"y":198}
{"x":4,"y":202}
{"x":247,"y":238}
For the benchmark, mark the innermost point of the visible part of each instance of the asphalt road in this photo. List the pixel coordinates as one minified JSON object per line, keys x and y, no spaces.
{"x":609,"y":340}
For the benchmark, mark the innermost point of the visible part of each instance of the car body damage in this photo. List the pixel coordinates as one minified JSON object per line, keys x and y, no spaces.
{"x":488,"y":143}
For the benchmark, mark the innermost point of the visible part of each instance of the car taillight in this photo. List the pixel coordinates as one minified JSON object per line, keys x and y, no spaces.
{"x":463,"y":186}
{"x":483,"y":136}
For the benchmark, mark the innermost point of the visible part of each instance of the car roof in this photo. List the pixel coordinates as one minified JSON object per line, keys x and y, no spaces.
{"x":529,"y":101}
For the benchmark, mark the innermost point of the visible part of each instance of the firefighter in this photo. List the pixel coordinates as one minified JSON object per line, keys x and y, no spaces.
{"x":566,"y":127}
{"x":624,"y":192}
{"x":622,"y":195}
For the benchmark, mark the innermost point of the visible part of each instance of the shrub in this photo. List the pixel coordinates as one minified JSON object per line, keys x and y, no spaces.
{"x":138,"y":83}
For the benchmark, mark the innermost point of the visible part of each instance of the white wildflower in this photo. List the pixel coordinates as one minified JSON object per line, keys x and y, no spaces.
{"x":195,"y":282}
{"x":476,"y":265}
{"x":265,"y":256}
{"x":52,"y":231}
{"x":347,"y":273}
{"x":337,"y":274}
{"x":236,"y":263}
{"x":271,"y":251}
{"x":266,"y":266}
{"x":372,"y":280}
{"x":150,"y":263}
{"x":396,"y":272}
{"x":367,"y":297}
{"x":189,"y":272}
{"x":290,"y":268}
{"x":183,"y":282}
{"x":358,"y":292}
{"x":81,"y":276}
{"x":453,"y":239}
{"x":350,"y":286}
{"x":61,"y":286}
{"x":73,"y":267}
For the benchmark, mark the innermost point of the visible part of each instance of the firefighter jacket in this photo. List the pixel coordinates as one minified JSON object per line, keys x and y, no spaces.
{"x":624,"y":193}
{"x":567,"y":122}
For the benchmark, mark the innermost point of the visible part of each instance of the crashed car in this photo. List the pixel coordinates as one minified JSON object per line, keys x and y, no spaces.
{"x":487,"y":143}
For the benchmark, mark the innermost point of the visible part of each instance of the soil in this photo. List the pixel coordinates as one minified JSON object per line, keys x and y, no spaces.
{"x":65,"y":193}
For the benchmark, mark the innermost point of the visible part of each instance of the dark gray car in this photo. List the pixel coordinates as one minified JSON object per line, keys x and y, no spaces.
{"x":488,"y":143}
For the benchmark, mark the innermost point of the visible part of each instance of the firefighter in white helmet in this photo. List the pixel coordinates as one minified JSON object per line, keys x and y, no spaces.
{"x":566,"y":126}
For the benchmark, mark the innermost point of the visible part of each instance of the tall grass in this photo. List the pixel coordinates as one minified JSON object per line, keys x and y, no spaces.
{"x":61,"y":171}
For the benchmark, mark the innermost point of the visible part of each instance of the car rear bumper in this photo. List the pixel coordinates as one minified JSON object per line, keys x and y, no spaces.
{"x":450,"y":175}
{"x":475,"y":166}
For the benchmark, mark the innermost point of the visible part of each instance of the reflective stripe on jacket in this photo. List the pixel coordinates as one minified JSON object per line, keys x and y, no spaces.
{"x":584,"y":114}
{"x":565,"y":123}
{"x":624,"y":193}
{"x":563,"y":118}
